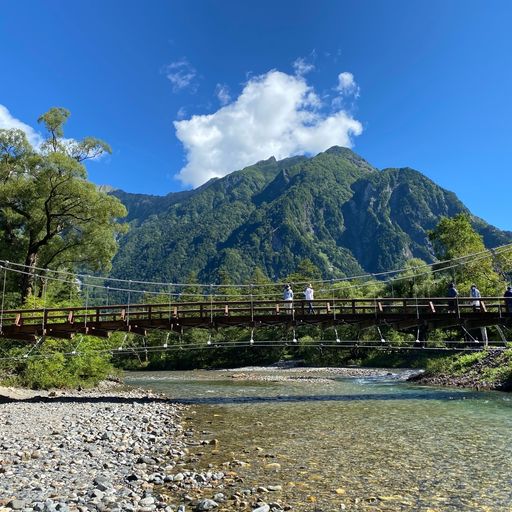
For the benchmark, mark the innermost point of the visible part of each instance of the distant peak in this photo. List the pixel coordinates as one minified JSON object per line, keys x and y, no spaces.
{"x":339,"y":150}
{"x":270,"y":160}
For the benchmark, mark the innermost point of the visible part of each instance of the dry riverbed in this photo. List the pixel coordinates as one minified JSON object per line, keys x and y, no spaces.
{"x":113,"y":449}
{"x":108,"y":450}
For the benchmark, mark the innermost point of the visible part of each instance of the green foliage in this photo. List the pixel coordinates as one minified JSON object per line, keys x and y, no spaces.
{"x":54,"y":365}
{"x":416,"y":280}
{"x":50,"y":215}
{"x":455,"y":237}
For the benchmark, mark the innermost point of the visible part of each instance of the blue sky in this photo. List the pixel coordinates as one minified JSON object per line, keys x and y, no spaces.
{"x":184,"y":90}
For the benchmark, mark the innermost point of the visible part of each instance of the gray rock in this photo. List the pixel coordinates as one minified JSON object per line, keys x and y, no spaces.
{"x":102,"y":483}
{"x":206,"y":504}
{"x":96,"y":493}
{"x":16,"y":504}
{"x":263,"y":508}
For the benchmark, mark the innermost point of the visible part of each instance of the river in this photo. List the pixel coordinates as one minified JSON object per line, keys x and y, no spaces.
{"x":329,"y":442}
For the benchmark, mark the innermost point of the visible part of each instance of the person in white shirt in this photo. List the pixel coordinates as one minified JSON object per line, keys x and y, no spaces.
{"x":309,"y":294}
{"x":475,"y":294}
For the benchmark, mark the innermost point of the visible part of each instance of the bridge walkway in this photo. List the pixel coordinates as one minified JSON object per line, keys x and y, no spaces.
{"x":403,"y":314}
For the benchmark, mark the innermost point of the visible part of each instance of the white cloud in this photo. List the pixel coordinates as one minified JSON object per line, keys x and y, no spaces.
{"x":7,"y":121}
{"x":302,"y":67}
{"x":222,"y":92}
{"x":181,"y":75}
{"x":347,"y":85}
{"x":276,"y":114}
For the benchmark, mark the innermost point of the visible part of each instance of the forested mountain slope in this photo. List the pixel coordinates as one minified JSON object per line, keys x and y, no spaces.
{"x":335,"y":209}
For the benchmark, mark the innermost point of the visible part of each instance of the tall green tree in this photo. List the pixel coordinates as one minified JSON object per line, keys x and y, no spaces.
{"x":454,"y":238}
{"x":415,"y":280}
{"x":51,"y":216}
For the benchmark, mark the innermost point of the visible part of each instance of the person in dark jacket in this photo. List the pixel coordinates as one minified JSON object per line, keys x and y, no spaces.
{"x":508,"y":300}
{"x":453,"y":294}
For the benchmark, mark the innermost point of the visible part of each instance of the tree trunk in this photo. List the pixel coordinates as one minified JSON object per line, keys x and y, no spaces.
{"x":28,"y":280}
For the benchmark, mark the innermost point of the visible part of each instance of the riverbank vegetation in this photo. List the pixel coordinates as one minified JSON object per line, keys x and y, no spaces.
{"x":52,"y":219}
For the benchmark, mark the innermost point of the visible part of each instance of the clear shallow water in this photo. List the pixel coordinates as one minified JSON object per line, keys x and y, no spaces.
{"x":365,"y":443}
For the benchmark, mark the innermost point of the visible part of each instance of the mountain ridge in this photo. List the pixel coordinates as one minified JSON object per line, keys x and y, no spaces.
{"x":334,"y":208}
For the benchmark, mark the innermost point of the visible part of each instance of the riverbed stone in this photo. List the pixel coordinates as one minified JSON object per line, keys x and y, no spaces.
{"x":262,"y":508}
{"x":205,"y":504}
{"x":16,"y":504}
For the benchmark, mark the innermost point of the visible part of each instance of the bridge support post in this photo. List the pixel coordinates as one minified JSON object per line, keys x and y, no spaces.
{"x":485,"y":337}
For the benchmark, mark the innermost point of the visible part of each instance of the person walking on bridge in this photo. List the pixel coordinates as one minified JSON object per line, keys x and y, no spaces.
{"x":309,"y":295}
{"x":288,"y":298}
{"x":474,"y":293}
{"x":508,"y":300}
{"x":453,"y":294}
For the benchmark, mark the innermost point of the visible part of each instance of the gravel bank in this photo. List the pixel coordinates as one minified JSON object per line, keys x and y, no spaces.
{"x":320,"y":374}
{"x":89,"y":451}
{"x":110,"y":450}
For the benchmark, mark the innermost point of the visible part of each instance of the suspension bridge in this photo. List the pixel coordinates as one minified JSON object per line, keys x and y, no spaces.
{"x":419,"y":315}
{"x":165,"y":308}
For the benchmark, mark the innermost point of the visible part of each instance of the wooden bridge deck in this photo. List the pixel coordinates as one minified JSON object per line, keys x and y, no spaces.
{"x":402,"y":314}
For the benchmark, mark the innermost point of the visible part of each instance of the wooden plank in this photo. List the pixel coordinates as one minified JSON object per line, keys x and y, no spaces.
{"x":483,"y":306}
{"x":380,"y":308}
{"x":431,"y":305}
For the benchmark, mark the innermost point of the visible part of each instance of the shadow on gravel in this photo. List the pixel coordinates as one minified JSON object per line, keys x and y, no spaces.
{"x":87,"y":400}
{"x":222,"y":400}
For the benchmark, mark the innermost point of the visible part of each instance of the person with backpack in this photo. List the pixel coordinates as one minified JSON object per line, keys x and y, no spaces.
{"x":453,"y":294}
{"x":288,"y":298}
{"x":508,"y":300}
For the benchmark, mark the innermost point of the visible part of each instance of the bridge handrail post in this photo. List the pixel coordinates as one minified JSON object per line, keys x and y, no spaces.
{"x":86,"y":308}
{"x":45,"y":311}
{"x":211,"y":304}
{"x":3,"y":297}
{"x":333,"y":301}
{"x":252,"y":304}
{"x":129,"y":300}
{"x":170,"y":302}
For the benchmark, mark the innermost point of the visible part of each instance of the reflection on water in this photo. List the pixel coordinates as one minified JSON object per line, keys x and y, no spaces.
{"x":364,"y":443}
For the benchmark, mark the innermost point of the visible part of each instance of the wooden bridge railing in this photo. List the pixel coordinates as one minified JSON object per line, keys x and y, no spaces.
{"x":213,"y":310}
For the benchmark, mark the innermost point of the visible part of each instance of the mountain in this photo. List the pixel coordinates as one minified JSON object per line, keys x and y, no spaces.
{"x":334,"y":208}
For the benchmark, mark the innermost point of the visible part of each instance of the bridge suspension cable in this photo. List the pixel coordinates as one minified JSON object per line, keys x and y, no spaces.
{"x":442,"y":266}
{"x":45,"y":271}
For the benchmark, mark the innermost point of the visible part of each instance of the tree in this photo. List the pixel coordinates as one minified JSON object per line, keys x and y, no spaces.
{"x":454,"y":238}
{"x":306,"y":271}
{"x":415,"y":280}
{"x":51,"y":216}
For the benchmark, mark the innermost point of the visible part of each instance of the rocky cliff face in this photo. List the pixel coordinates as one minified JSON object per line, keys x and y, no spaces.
{"x":334,"y":208}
